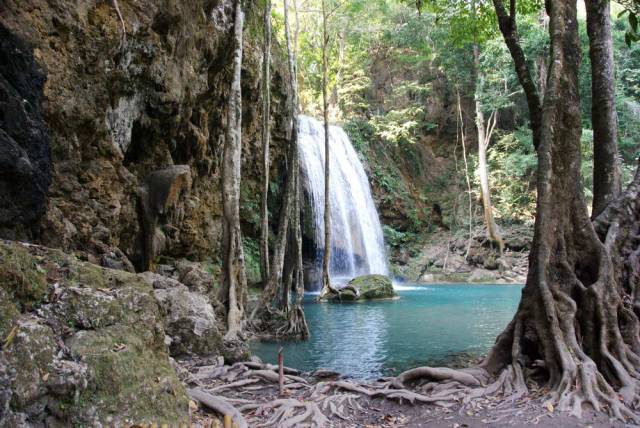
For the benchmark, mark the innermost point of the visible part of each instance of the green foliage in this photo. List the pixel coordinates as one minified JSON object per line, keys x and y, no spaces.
{"x":512,"y":166}
{"x":398,"y":239}
{"x":251,"y":259}
{"x":399,"y":126}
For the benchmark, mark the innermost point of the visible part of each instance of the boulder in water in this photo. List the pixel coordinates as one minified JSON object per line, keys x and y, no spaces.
{"x":373,"y":287}
{"x":365,"y":287}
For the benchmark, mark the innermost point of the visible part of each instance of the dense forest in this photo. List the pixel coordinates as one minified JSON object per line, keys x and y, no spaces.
{"x":319,"y":213}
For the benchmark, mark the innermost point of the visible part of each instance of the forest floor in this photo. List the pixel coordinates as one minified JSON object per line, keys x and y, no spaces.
{"x":448,"y":257}
{"x":252,"y":388}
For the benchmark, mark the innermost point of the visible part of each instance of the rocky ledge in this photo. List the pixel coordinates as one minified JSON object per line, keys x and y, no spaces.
{"x":88,"y":345}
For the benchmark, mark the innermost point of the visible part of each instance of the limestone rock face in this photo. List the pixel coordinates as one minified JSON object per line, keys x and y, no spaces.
{"x":119,"y":116}
{"x":84,"y":345}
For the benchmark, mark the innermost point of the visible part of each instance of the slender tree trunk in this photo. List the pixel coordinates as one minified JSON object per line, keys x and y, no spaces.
{"x":509,"y":30}
{"x":297,"y":322}
{"x":466,"y":174}
{"x":606,"y":169}
{"x":266,"y":116}
{"x":326,"y":282}
{"x":234,"y":279}
{"x":484,"y":137}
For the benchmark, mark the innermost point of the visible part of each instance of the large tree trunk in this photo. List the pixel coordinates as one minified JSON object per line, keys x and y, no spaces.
{"x":484,"y":138}
{"x":576,"y":327}
{"x":575,"y":314}
{"x":606,"y":170}
{"x":266,"y":116}
{"x":326,"y":282}
{"x":234,"y":289}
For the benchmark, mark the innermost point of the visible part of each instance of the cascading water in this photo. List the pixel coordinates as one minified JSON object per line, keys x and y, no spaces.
{"x":357,"y":242}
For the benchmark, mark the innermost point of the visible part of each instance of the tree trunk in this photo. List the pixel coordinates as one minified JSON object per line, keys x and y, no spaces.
{"x":234,"y":289}
{"x":577,"y":326}
{"x":326,"y":283}
{"x":484,"y":137}
{"x":606,"y":170}
{"x":509,"y":30}
{"x":297,"y":323}
{"x":576,"y":313}
{"x":266,"y":109}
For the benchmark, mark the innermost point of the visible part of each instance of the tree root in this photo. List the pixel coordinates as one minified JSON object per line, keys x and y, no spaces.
{"x":218,"y":405}
{"x":287,"y":413}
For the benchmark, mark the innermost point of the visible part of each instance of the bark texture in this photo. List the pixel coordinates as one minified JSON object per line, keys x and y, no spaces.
{"x":234,"y":289}
{"x":606,"y":168}
{"x":326,"y":282}
{"x":576,"y":328}
{"x":266,"y":108}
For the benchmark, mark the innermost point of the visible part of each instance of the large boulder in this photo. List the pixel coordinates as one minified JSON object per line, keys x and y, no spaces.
{"x":190,"y":321}
{"x":83,"y":345}
{"x":366,"y":287}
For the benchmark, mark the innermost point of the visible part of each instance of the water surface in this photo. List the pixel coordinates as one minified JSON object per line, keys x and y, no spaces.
{"x":432,"y":324}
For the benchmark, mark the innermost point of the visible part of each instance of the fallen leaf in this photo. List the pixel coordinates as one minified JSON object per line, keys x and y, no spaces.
{"x":193,"y":405}
{"x":549,"y":407}
{"x":119,"y":347}
{"x":45,"y":377}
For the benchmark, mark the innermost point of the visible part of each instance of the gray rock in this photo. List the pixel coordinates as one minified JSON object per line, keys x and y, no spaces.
{"x":189,"y":320}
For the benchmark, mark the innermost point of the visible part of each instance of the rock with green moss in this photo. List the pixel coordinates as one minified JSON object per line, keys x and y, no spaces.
{"x":373,"y":287}
{"x":365,"y":287}
{"x":82,"y":345}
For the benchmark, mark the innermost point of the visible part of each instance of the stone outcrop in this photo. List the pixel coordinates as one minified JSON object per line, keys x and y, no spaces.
{"x":25,"y":160}
{"x":84,"y":345}
{"x":121,"y":115}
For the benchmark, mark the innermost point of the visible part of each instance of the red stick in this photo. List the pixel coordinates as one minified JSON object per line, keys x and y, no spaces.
{"x":281,"y":371}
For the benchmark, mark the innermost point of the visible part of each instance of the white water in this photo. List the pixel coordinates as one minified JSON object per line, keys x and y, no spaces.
{"x":357,"y":242}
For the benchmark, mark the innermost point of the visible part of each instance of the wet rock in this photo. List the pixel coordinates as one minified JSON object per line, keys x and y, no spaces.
{"x":373,"y":287}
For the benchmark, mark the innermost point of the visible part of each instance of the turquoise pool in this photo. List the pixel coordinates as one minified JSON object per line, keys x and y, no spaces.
{"x":432,"y":324}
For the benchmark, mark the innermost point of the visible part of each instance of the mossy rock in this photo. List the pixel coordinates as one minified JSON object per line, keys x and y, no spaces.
{"x":366,"y":287}
{"x":22,"y":276}
{"x":87,"y":341}
{"x":373,"y":287}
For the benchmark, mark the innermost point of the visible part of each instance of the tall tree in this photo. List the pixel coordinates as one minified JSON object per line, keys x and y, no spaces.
{"x":606,"y":169}
{"x":509,"y":30}
{"x":485,"y":131}
{"x":266,"y":116}
{"x":577,"y":324}
{"x":297,"y":325}
{"x":326,"y":258}
{"x":234,"y":289}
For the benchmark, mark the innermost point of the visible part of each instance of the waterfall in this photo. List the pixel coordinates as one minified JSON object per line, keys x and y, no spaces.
{"x":357,"y":242}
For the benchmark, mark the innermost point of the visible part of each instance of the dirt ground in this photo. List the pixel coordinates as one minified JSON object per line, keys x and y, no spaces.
{"x":259,"y":399}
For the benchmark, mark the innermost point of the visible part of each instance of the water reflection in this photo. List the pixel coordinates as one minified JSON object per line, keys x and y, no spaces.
{"x":426,"y":325}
